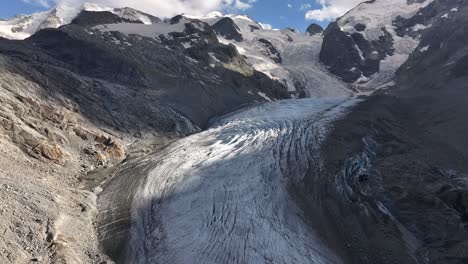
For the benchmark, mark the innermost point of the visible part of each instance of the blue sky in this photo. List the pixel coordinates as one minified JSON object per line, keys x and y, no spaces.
{"x":278,"y":13}
{"x":9,"y":8}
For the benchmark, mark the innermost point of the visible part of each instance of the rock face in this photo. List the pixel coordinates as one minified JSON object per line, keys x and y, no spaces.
{"x":228,"y":29}
{"x":375,"y":37}
{"x":314,"y":29}
{"x":339,"y":54}
{"x":402,"y":152}
{"x":270,"y":50}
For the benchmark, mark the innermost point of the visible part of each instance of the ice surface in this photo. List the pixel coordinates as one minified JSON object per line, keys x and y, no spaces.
{"x":221,"y":196}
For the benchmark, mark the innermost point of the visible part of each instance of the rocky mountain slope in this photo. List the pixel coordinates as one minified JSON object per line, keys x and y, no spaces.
{"x":370,"y":42}
{"x":402,"y":156}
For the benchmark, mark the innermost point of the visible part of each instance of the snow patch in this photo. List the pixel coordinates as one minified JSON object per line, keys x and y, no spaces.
{"x":356,"y":47}
{"x":264,"y":96}
{"x":424,"y":49}
{"x":419,"y":27}
{"x":187,"y":45}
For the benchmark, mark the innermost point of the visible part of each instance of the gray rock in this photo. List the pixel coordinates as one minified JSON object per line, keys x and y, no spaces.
{"x":314,"y":29}
{"x":416,"y":167}
{"x":339,"y":54}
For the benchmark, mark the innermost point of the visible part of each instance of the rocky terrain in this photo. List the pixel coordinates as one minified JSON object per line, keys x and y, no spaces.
{"x":135,"y":139}
{"x":400,"y":155}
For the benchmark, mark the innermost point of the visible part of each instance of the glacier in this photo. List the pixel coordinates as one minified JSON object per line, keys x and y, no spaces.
{"x":221,"y":196}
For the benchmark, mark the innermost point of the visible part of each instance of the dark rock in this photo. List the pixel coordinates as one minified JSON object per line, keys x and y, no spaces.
{"x":253,"y":28}
{"x":461,"y":67}
{"x":90,"y":19}
{"x":339,"y":54}
{"x":93,"y":18}
{"x":314,"y":29}
{"x":271,"y":51}
{"x":351,"y":55}
{"x":176,"y":19}
{"x":360,"y":27}
{"x":228,"y":29}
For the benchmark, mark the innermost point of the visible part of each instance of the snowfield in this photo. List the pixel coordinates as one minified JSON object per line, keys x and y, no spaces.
{"x":221,"y":196}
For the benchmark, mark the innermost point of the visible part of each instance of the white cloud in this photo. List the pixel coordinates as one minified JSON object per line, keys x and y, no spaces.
{"x":290,"y":6}
{"x":265,"y":26}
{"x":331,"y":9}
{"x":305,"y":6}
{"x":163,"y":8}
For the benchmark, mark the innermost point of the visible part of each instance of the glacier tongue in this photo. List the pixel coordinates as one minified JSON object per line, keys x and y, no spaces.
{"x":221,"y":196}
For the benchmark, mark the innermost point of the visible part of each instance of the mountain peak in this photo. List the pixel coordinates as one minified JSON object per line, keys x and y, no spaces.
{"x":215,"y":14}
{"x":314,"y":29}
{"x":22,"y":27}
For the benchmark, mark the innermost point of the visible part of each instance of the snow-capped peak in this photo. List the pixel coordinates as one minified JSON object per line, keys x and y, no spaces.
{"x":215,"y":14}
{"x":375,"y":15}
{"x":23,"y":26}
{"x":380,"y":36}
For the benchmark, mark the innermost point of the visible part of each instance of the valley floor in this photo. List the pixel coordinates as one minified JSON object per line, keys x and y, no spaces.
{"x":45,"y":216}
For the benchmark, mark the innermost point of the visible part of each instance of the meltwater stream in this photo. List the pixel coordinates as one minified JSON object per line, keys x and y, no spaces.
{"x":221,"y":196}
